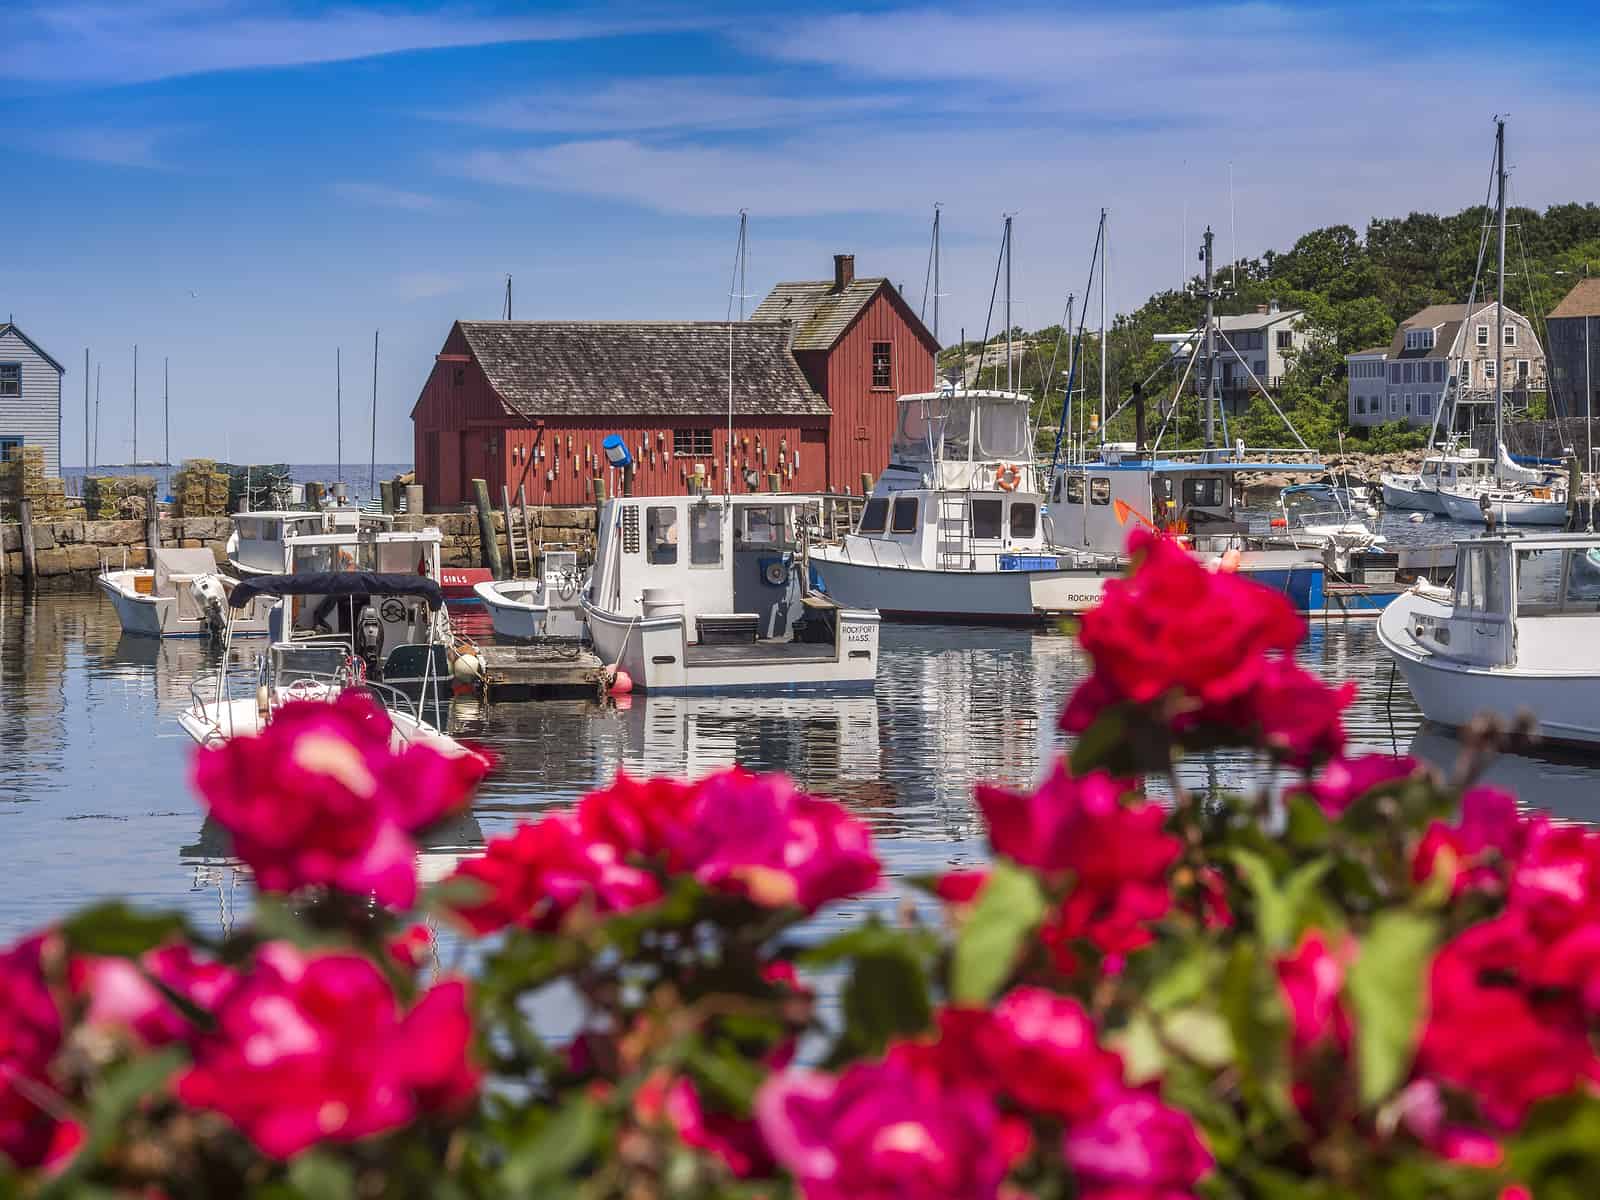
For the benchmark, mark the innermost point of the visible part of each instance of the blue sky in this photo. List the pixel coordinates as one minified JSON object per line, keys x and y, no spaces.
{"x":245,"y":186}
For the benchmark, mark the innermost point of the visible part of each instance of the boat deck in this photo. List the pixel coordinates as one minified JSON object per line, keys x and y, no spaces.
{"x":757,"y":654}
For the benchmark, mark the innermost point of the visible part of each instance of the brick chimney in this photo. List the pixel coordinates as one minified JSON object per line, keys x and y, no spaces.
{"x":844,"y":271}
{"x":1261,"y":310}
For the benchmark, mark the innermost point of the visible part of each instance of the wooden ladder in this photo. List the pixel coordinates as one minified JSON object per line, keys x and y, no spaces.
{"x":519,"y":540}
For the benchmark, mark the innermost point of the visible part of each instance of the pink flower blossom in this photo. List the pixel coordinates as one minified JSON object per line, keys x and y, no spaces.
{"x":536,"y":875}
{"x":121,"y":995}
{"x":321,"y":798}
{"x":881,"y":1131}
{"x":1041,"y":1049}
{"x":1312,"y":979}
{"x":1345,"y":780}
{"x":960,"y":887}
{"x":736,"y":1141}
{"x":1136,"y":1146}
{"x":32,"y":1131}
{"x":1490,"y":829}
{"x":315,"y":1048}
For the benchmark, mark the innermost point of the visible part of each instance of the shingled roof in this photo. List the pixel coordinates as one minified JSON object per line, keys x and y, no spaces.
{"x":644,"y":368}
{"x":820,"y":314}
{"x":1582,"y":301}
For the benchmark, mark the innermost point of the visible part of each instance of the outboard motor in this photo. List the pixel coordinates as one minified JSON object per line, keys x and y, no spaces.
{"x":369,"y":637}
{"x":211,"y":598}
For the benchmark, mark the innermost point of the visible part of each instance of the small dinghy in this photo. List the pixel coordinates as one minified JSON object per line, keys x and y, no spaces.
{"x":182,"y":595}
{"x":528,"y":610}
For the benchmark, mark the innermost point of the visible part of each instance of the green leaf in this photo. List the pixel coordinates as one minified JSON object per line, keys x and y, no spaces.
{"x":1098,"y":743}
{"x":1006,"y":911}
{"x":112,"y":1101}
{"x":1557,"y":1150}
{"x":728,"y":1075}
{"x":871,"y":937}
{"x":1278,"y":907}
{"x":1143,"y":1056}
{"x":318,"y":1175}
{"x":886,"y":997}
{"x":1186,"y":980}
{"x":1386,"y":986}
{"x":1258,"y":1024}
{"x":114,"y":929}
{"x":1201,"y":1034}
{"x":1308,"y":827}
{"x":567,"y":1139}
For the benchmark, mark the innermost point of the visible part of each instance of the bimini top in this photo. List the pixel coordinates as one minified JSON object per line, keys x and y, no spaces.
{"x":338,"y":583}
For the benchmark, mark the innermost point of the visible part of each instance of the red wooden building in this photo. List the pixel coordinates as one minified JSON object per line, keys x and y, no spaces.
{"x":526,"y":404}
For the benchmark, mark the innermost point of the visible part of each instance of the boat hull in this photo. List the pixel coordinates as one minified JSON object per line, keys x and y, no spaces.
{"x":144,"y":615}
{"x":655,"y":653}
{"x":915,"y":594}
{"x":1468,"y":510}
{"x":1400,"y":495}
{"x":1565,"y":707}
{"x":512,"y":617}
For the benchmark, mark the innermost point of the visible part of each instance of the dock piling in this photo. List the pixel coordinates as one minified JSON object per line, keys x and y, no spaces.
{"x":486,"y":534}
{"x":152,"y":525}
{"x":29,"y":552}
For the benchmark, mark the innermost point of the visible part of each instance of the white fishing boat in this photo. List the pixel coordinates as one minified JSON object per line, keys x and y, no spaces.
{"x":1457,"y":466}
{"x":708,"y":593}
{"x":1507,"y":504}
{"x":181,"y":595}
{"x":1519,"y":633}
{"x":386,"y":634}
{"x":527,"y":610}
{"x":257,"y":544}
{"x":954,"y":528}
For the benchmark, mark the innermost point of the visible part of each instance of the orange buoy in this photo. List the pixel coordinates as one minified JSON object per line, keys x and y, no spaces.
{"x":1280,"y":522}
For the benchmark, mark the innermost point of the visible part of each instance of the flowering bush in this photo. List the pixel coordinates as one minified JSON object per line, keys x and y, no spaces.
{"x":1353,"y":979}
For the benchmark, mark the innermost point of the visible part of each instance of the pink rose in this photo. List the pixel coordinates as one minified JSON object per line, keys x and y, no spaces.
{"x":1297,"y":714}
{"x":320,"y":797}
{"x":121,"y":996}
{"x":1136,"y":1142}
{"x":1312,"y":979}
{"x":314,"y":1048}
{"x":30,"y":1035}
{"x":1489,"y":828}
{"x":881,"y":1131}
{"x":1345,"y":780}
{"x":735,"y":1141}
{"x":536,"y":875}
{"x":1042,"y":1050}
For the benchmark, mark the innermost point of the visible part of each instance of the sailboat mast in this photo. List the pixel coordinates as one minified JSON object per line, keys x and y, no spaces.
{"x":166,"y":412}
{"x":936,"y":273}
{"x":136,"y":403}
{"x":338,"y":411}
{"x":1211,"y":344}
{"x":1010,"y":383}
{"x":736,"y":288}
{"x":1105,"y":252}
{"x":1500,"y":293}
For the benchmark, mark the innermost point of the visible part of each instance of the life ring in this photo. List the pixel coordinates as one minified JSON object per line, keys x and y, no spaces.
{"x":1007,"y":477}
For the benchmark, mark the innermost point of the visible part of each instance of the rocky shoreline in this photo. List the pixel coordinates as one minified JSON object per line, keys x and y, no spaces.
{"x":1359,"y":466}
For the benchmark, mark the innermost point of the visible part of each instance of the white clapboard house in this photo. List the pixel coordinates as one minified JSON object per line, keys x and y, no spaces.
{"x":30,"y":397}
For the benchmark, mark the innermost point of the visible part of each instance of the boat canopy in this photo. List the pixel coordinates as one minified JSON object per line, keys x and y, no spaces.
{"x":338,"y":583}
{"x":962,"y":426}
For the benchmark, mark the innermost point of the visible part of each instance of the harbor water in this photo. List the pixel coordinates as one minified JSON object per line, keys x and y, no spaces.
{"x":95,"y":802}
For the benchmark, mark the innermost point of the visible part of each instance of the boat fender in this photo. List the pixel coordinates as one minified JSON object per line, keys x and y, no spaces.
{"x":1007,"y":477}
{"x":467,"y":666}
{"x":621,"y":683}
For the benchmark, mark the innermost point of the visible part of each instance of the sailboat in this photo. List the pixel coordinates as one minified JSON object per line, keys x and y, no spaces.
{"x":1513,"y":495}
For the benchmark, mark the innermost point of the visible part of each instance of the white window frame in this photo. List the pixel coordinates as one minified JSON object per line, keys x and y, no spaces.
{"x":1466,"y":373}
{"x":1524,"y":368}
{"x":1483,"y":335}
{"x":1488,"y":370}
{"x":1508,"y":334}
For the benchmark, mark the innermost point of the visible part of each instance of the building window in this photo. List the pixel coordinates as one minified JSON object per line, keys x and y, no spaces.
{"x":1361,"y":405}
{"x":874,"y":516}
{"x":7,"y":445}
{"x":661,"y":535}
{"x":1425,"y":405}
{"x":1285,"y":339}
{"x":1408,"y":403}
{"x":1260,"y":368}
{"x":705,"y":535}
{"x":1024,"y":520}
{"x":1394,"y":372}
{"x":882,"y":365}
{"x":986,"y":517}
{"x":1409,"y":373}
{"x":691,"y":443}
{"x":1488,"y":370}
{"x":905,"y":515}
{"x":1466,"y":372}
{"x":10,"y":379}
{"x":1483,"y":335}
{"x":1419,"y":339}
{"x":1522,"y":369}
{"x":1508,"y":334}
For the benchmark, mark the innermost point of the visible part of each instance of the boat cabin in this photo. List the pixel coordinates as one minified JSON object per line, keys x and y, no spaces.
{"x":259,"y":538}
{"x":719,"y":560}
{"x":396,"y":552}
{"x":963,"y":440}
{"x":1451,"y":470}
{"x":1521,"y":600}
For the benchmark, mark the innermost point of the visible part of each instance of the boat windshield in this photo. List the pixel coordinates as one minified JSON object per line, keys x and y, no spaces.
{"x":940,"y":424}
{"x":1003,"y":430}
{"x":319,"y":661}
{"x":1554,"y":581}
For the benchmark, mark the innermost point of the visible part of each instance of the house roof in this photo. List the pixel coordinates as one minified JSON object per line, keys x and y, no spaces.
{"x":821,"y":315}
{"x":1258,"y":320}
{"x":1372,"y":350}
{"x":1446,"y":320}
{"x":9,"y":327}
{"x":644,"y":368}
{"x":1582,"y":301}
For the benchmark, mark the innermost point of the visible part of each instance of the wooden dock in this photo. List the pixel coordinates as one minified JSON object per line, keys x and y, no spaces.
{"x":540,"y":670}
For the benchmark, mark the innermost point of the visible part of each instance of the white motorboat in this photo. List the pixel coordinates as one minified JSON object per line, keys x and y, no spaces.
{"x":1517,"y":634}
{"x":257,"y":544}
{"x":181,"y":595}
{"x":708,"y":593}
{"x":331,"y":632}
{"x":526,"y":610}
{"x":954,"y":528}
{"x":1457,"y":466}
{"x":1509,"y":504}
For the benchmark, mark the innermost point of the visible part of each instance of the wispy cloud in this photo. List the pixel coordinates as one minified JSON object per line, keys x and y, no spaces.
{"x":99,"y":41}
{"x":425,"y":285}
{"x":675,"y":103}
{"x":382,"y":196}
{"x":107,"y":144}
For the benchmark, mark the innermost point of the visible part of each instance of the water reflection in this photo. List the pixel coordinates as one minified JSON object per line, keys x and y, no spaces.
{"x":94,"y":798}
{"x":1555,"y":781}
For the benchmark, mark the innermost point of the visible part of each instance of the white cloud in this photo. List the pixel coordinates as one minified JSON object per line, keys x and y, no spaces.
{"x":680,"y":102}
{"x":97,"y":41}
{"x":382,"y":196}
{"x":424,"y":285}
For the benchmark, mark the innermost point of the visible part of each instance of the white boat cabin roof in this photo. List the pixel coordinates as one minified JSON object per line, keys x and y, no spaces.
{"x":962,"y":426}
